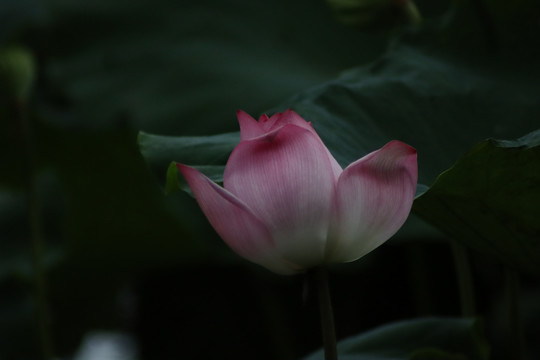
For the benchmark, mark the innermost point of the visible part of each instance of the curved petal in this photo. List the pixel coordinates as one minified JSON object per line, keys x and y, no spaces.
{"x":271,"y":123}
{"x":374,"y":196}
{"x":249,"y":127}
{"x":287,"y":180}
{"x":243,"y":231}
{"x":293,"y":118}
{"x":290,"y":117}
{"x":263,"y":118}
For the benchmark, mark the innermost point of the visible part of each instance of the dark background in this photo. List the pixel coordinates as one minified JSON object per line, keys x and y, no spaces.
{"x":120,"y":256}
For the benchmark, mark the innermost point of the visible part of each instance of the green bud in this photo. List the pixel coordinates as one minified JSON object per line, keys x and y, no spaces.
{"x":17,"y":71}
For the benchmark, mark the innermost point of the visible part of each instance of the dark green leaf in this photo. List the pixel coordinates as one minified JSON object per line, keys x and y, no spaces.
{"x":446,"y":338}
{"x":434,"y":105}
{"x":188,"y":149}
{"x":206,"y":153}
{"x":176,"y":182}
{"x":434,"y":354}
{"x":490,"y":199}
{"x":187,"y":65}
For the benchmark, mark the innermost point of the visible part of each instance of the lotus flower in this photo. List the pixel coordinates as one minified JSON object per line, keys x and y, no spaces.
{"x":287,"y":204}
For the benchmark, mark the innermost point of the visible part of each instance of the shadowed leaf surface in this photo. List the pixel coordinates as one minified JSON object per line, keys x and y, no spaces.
{"x":414,"y":339}
{"x":490,"y":200}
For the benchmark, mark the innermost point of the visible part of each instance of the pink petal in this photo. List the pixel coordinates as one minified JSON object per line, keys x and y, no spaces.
{"x":373,"y":199}
{"x":290,"y":117}
{"x":232,"y":219}
{"x":286,"y":179}
{"x":249,"y":127}
{"x":270,"y":123}
{"x":294,"y":118}
{"x":281,"y":119}
{"x":263,"y":118}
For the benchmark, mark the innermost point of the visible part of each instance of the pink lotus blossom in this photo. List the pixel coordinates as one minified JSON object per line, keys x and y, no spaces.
{"x":287,"y":204}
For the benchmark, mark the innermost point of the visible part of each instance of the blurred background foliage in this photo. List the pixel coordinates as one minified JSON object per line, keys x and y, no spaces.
{"x":78,"y":80}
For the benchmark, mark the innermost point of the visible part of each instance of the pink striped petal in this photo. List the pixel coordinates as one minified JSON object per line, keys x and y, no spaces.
{"x":249,"y":127}
{"x":373,"y":199}
{"x":263,"y":118}
{"x":270,"y":123}
{"x":237,"y":225}
{"x":286,"y":179}
{"x":290,"y":117}
{"x":296,"y":119}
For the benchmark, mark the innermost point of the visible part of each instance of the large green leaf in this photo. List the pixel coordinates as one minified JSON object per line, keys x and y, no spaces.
{"x":428,"y":338}
{"x":490,"y":200}
{"x":206,"y":153}
{"x":435,"y":105}
{"x":186,"y":66}
{"x":417,"y":92}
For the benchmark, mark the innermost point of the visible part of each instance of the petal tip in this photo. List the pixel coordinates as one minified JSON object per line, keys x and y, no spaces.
{"x":189,"y":173}
{"x":249,"y":127}
{"x":400,"y":145}
{"x":181,"y":167}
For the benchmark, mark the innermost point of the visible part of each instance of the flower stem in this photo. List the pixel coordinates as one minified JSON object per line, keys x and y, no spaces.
{"x":327,"y":315}
{"x":465,"y":282}
{"x":43,"y":320}
{"x":516,"y":323}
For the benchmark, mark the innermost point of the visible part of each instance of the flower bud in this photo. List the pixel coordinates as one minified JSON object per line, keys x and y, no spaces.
{"x":17,"y":70}
{"x":286,"y":203}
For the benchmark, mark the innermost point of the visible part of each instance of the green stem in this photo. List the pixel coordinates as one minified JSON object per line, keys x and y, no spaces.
{"x":327,"y":315}
{"x":516,"y":325}
{"x":34,"y":214}
{"x":465,"y":282}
